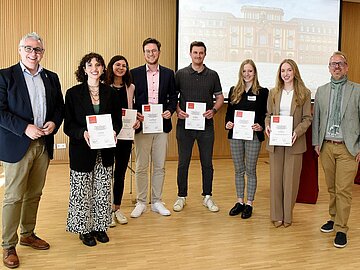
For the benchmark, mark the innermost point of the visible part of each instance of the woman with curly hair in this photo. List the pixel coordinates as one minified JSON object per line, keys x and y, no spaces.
{"x":89,"y":211}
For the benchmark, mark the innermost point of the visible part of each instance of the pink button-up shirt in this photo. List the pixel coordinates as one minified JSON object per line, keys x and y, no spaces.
{"x":153,"y":85}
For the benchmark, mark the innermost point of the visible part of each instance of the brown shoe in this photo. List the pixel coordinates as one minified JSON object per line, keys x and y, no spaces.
{"x":10,"y":258}
{"x":287,"y":224}
{"x":277,"y":224}
{"x":34,"y":242}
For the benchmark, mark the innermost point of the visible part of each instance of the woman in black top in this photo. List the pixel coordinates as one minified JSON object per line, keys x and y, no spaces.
{"x":119,"y":78}
{"x":247,"y":95}
{"x":89,"y":211}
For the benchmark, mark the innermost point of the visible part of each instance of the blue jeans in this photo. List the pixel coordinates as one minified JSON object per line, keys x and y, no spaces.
{"x":185,"y":141}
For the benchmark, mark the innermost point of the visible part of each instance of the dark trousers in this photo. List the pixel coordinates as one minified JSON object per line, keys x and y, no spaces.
{"x":122,"y":155}
{"x":185,"y":141}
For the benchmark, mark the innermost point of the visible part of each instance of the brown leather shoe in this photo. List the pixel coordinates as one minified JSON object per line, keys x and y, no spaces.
{"x":277,"y":224}
{"x":10,"y":258}
{"x":34,"y":242}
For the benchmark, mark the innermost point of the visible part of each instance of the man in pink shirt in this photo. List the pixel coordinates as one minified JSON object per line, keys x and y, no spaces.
{"x":154,"y":84}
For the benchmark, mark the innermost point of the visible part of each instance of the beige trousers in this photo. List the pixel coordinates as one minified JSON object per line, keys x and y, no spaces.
{"x":285,"y":170}
{"x":24,"y":181}
{"x":148,"y":146}
{"x":340,"y":169}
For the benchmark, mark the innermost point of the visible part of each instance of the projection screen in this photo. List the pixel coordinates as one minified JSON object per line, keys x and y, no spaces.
{"x":266,"y":31}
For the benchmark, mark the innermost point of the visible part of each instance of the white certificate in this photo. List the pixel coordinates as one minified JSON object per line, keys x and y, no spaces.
{"x":101,"y":131}
{"x":281,"y":130}
{"x":153,"y":120}
{"x":243,"y":121}
{"x":196,"y":119}
{"x":127,"y":131}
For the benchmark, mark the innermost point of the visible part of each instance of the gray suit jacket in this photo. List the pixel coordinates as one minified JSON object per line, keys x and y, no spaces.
{"x":350,"y":116}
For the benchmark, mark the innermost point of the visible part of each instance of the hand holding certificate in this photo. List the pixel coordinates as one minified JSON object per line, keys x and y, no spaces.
{"x":100,"y":131}
{"x":153,"y":120}
{"x":243,"y":122}
{"x":196,"y":119}
{"x":281,"y":130}
{"x":127,"y":131}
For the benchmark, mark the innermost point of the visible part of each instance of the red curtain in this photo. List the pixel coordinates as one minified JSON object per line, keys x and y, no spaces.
{"x":309,"y":188}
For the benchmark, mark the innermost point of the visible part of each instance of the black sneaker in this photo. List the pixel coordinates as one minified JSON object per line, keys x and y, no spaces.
{"x":237,"y":209}
{"x":327,"y":227}
{"x":340,"y":240}
{"x":247,"y":212}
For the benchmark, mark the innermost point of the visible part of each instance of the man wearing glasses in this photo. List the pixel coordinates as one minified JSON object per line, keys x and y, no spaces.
{"x":154,"y":84}
{"x":335,"y":136}
{"x":31,"y":112}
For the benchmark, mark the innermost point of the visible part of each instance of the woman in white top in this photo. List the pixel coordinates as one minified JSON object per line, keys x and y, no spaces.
{"x":289,"y":97}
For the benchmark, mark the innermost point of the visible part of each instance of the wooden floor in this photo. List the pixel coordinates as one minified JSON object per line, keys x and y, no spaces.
{"x":194,"y":238}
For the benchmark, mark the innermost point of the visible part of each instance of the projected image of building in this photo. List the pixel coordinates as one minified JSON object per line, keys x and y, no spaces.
{"x":261,"y":33}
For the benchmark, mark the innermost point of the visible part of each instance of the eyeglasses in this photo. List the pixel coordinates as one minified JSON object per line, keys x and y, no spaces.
{"x":335,"y":64}
{"x":151,"y":51}
{"x":30,"y":49}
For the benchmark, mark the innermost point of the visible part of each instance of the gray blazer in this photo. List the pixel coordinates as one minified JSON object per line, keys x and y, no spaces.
{"x":350,"y":116}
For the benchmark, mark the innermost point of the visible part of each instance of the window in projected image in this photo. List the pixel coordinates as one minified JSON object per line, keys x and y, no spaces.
{"x":266,"y":31}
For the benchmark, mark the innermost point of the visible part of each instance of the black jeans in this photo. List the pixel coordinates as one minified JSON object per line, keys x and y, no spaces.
{"x":122,"y":155}
{"x":185,"y":140}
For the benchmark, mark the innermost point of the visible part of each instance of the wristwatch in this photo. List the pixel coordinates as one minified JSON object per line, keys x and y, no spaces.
{"x":214,"y":110}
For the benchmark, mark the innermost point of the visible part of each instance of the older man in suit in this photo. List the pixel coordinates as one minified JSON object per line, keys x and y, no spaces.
{"x":154,"y":84}
{"x":336,"y":139}
{"x":31,"y":112}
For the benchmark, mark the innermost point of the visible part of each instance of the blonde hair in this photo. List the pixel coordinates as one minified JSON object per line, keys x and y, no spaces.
{"x":300,"y":90}
{"x":239,"y":89}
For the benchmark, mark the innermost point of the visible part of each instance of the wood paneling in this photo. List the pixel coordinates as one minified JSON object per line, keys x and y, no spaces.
{"x":72,"y":28}
{"x":350,"y":38}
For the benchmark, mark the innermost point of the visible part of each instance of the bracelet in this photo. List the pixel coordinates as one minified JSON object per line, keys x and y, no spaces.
{"x":214,"y":110}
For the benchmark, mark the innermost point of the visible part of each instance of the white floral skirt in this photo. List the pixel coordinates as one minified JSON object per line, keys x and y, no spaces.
{"x":90,"y":199}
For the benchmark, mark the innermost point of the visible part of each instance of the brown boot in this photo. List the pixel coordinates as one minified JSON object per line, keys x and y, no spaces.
{"x":10,"y":258}
{"x":34,"y":242}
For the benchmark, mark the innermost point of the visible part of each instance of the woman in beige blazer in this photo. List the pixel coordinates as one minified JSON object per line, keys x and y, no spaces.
{"x":289,"y":97}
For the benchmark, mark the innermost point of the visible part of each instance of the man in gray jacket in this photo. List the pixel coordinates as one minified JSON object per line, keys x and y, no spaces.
{"x":336,"y":138}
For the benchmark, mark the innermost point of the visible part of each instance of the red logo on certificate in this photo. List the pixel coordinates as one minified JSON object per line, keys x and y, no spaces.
{"x":92,"y":119}
{"x":239,"y":114}
{"x":123,"y":112}
{"x":276,"y":119}
{"x":147,"y":108}
{"x":191,"y":105}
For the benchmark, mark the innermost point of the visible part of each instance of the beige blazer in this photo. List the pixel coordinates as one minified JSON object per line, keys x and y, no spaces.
{"x":350,"y":116}
{"x":301,"y":120}
{"x":130,"y":95}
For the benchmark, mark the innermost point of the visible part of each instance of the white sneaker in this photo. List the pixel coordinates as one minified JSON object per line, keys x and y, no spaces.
{"x":210,"y":204}
{"x":120,"y":217}
{"x":138,"y":210}
{"x":179,"y":204}
{"x":159,"y":207}
{"x":113,"y":220}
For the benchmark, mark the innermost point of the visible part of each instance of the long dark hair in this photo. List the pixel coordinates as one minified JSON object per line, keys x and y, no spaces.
{"x":109,"y":78}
